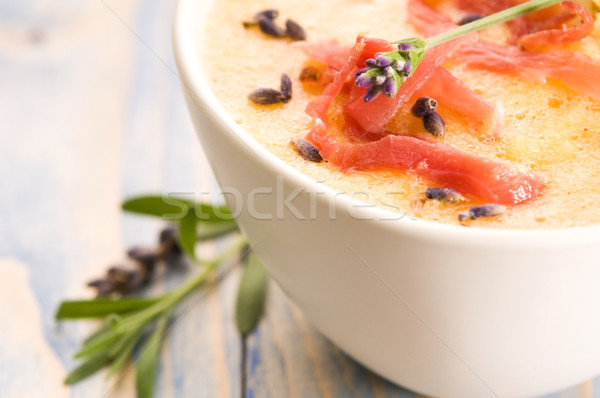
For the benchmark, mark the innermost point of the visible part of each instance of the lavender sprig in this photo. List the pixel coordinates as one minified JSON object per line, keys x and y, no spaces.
{"x":386,"y":72}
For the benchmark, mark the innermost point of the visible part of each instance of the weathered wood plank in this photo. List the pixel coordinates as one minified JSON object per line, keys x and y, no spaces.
{"x":201,"y":358}
{"x":61,"y":94}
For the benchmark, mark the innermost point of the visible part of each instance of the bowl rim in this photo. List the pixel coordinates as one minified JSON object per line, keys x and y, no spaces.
{"x":186,"y":46}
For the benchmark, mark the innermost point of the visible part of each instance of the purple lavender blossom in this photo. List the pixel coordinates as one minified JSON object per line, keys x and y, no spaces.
{"x":407,"y":67}
{"x":385,"y":72}
{"x":383,"y":61}
{"x":411,"y":51}
{"x":365,"y":80}
{"x":382,"y":74}
{"x":371,"y":63}
{"x":389,"y":87}
{"x":372,"y":93}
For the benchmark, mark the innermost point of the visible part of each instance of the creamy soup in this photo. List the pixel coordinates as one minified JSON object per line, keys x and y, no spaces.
{"x":549,"y":129}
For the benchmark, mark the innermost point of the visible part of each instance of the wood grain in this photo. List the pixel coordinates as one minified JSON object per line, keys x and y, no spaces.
{"x":92,"y":112}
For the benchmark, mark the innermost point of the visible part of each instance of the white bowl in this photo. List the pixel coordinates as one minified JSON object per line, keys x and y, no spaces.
{"x":443,"y":310}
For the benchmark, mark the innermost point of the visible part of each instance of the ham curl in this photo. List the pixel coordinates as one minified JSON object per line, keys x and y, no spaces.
{"x":428,"y":21}
{"x":574,"y":70}
{"x":441,"y":85}
{"x":471,"y":175}
{"x":541,"y":29}
{"x":562,"y":35}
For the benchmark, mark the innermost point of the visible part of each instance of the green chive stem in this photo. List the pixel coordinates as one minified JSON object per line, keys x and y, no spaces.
{"x":490,"y":20}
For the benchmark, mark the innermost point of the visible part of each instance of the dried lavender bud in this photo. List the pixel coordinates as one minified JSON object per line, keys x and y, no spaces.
{"x":482,"y":211}
{"x":269,"y":14}
{"x":469,"y":18}
{"x":434,"y":124}
{"x":286,"y":87}
{"x":444,"y":195}
{"x":307,"y":150}
{"x":103,"y":287}
{"x":310,"y":74}
{"x":365,"y":80}
{"x":266,"y":96}
{"x":145,"y":257}
{"x":126,"y":280}
{"x":266,"y":14}
{"x":267,"y":26}
{"x":372,"y":93}
{"x":385,"y":72}
{"x":168,"y":235}
{"x":118,"y":274}
{"x":423,"y":106}
{"x":294,"y":31}
{"x":168,"y":241}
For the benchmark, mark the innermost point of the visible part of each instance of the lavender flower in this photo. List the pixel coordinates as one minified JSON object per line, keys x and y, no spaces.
{"x":387,"y":71}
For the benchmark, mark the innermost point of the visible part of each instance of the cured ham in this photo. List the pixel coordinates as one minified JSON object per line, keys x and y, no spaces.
{"x":329,"y":52}
{"x":441,"y":85}
{"x":574,"y":70}
{"x":471,"y":175}
{"x":428,"y":21}
{"x":484,"y":117}
{"x":374,"y":115}
{"x":539,"y":30}
{"x":560,"y":34}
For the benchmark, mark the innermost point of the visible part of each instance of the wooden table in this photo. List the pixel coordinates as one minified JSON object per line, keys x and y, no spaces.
{"x":91,"y":113}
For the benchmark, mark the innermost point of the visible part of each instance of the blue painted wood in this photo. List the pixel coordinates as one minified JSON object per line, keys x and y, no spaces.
{"x":90,"y":115}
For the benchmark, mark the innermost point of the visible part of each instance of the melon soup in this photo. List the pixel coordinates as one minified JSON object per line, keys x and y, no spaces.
{"x":548,"y":128}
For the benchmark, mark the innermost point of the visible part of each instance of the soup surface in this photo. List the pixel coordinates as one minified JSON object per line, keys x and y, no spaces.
{"x":549,"y":129}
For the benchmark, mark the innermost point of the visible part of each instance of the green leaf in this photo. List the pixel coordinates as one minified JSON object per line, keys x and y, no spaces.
{"x":96,"y":345}
{"x":415,"y":41}
{"x":88,"y":368}
{"x":188,"y":234}
{"x":123,"y":341}
{"x":206,"y":231}
{"x":416,"y":57}
{"x":158,"y":206}
{"x":109,"y":328}
{"x":100,"y":307}
{"x":375,"y":72}
{"x":212,"y":213}
{"x":124,"y":352}
{"x":145,"y":375}
{"x":175,"y":208}
{"x":251,"y":295}
{"x":417,"y":54}
{"x":103,"y":331}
